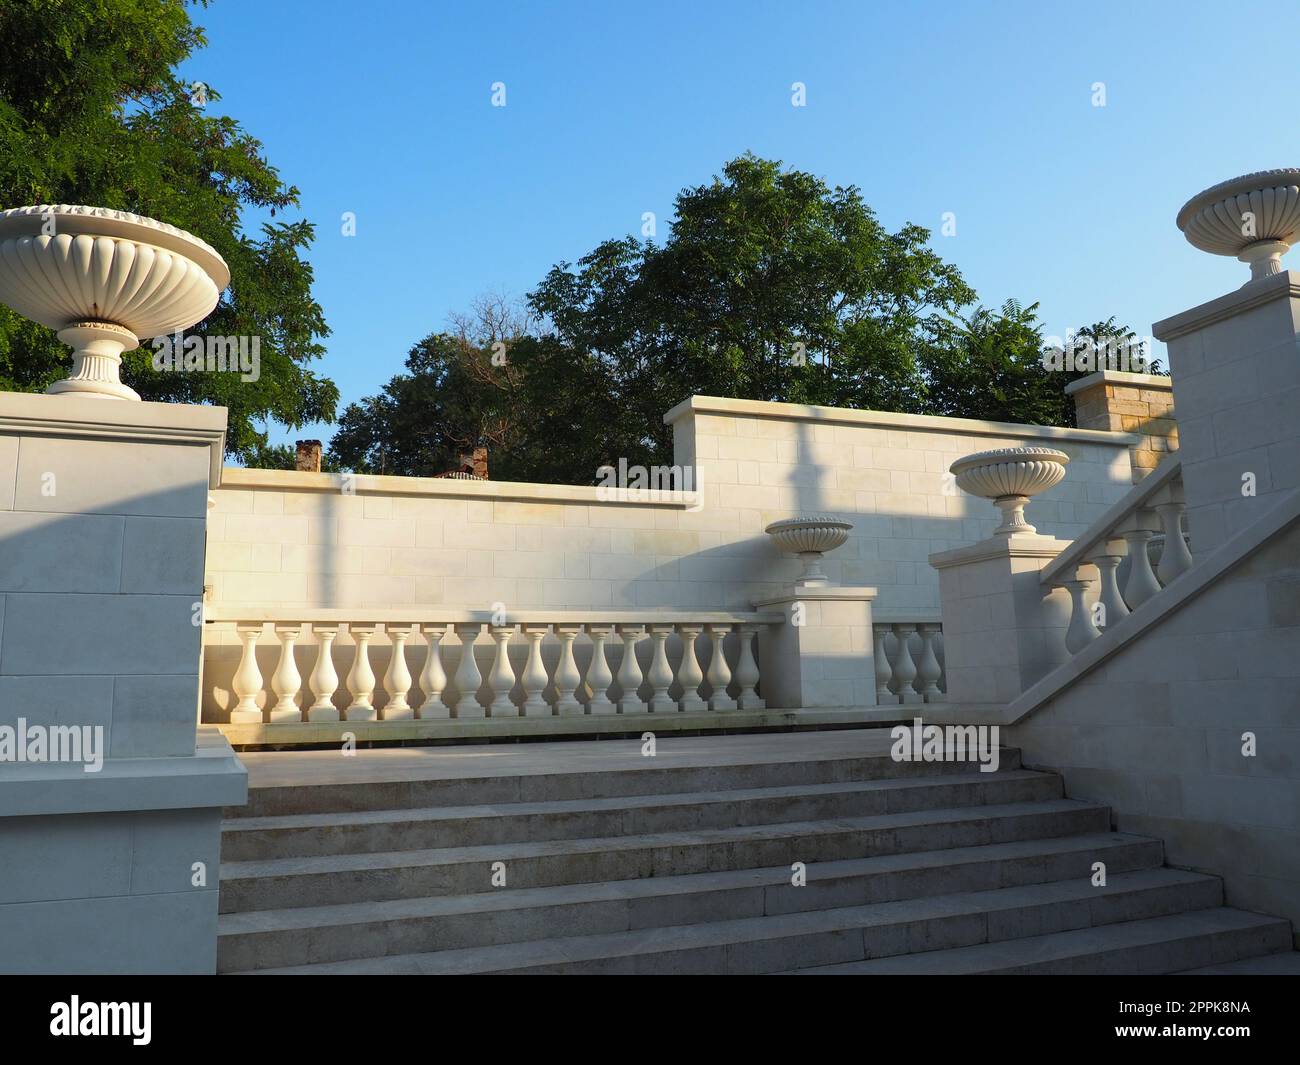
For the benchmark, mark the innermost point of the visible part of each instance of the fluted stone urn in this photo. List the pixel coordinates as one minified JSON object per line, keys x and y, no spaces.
{"x":1010,"y":476}
{"x":1255,"y":217}
{"x":810,"y":536}
{"x":104,"y":279}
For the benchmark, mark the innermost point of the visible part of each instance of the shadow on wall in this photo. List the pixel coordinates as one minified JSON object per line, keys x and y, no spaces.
{"x":100,"y":610}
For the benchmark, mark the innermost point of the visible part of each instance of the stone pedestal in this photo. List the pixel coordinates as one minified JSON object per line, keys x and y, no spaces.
{"x":1236,"y":374}
{"x":102,"y":531}
{"x":824,"y":655}
{"x":1002,"y":630}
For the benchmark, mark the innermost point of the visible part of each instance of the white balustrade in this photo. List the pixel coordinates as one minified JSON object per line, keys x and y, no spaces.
{"x":689,"y":674}
{"x":535,"y":678}
{"x":719,"y":672}
{"x":433,"y":678}
{"x":661,"y":673}
{"x":468,"y":678}
{"x":324,"y":680}
{"x":629,"y":671}
{"x":502,"y":678}
{"x":1122,"y":538}
{"x":599,"y":678}
{"x":361,"y":681}
{"x":287,"y":679}
{"x":905,"y":678}
{"x":724,"y":687}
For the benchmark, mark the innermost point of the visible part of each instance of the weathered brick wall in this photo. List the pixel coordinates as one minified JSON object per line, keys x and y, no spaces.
{"x":1132,"y":403}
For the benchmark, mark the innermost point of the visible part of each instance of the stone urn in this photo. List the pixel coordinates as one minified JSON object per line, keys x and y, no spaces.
{"x":1009,"y":476}
{"x":104,"y":279}
{"x":1255,"y":217}
{"x":810,"y":537}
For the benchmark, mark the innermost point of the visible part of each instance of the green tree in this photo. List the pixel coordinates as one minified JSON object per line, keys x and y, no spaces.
{"x":771,"y":286}
{"x":93,"y":111}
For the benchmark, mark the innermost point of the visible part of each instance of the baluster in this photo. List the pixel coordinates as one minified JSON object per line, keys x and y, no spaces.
{"x":1175,"y":559}
{"x":361,"y":681}
{"x":397,"y":681}
{"x":433,"y":680}
{"x":324,"y":679}
{"x":689,"y":674}
{"x":247,"y":682}
{"x":629,"y":671}
{"x":884,"y":670}
{"x":1081,"y":630}
{"x":468,"y":678}
{"x":1141,"y":584}
{"x":567,"y":676}
{"x":599,"y":677}
{"x":747,"y":676}
{"x":904,"y":668}
{"x":719,"y":671}
{"x":927,"y":670}
{"x":661,"y":673}
{"x":1113,"y":607}
{"x":286,"y":681}
{"x":502,"y":678}
{"x":534,"y":678}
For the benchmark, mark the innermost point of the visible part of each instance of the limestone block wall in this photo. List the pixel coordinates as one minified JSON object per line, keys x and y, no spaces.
{"x":292,"y":540}
{"x":1158,"y":732}
{"x":102,"y":517}
{"x":297,"y":539}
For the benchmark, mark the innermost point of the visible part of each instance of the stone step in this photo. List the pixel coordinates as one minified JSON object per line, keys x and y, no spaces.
{"x":1168,"y":944}
{"x":619,"y":770}
{"x":293,"y":936}
{"x":818,"y":938}
{"x":372,"y":831}
{"x":335,"y":879}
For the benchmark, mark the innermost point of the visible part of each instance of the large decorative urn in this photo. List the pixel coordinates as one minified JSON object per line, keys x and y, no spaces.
{"x":810,"y":537}
{"x":1010,"y":476}
{"x":104,"y":279}
{"x":1255,"y":217}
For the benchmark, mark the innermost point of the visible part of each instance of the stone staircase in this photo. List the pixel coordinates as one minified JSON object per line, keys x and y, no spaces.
{"x":616,"y":863}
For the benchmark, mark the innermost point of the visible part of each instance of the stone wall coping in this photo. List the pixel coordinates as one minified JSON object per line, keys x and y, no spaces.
{"x":453,"y":615}
{"x":211,"y":777}
{"x":1285,"y":285}
{"x":833,"y":593}
{"x":456,"y":488}
{"x":748,"y":408}
{"x":1150,"y":381}
{"x":29,"y":413}
{"x":1022,"y":545}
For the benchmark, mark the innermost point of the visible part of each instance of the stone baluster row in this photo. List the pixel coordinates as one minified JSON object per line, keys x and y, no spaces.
{"x":1091,"y":612}
{"x":904,"y":678}
{"x":575,"y":694}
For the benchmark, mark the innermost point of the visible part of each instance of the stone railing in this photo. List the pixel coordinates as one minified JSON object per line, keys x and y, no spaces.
{"x":415,"y":683}
{"x":909,"y":660}
{"x":1109,"y":571}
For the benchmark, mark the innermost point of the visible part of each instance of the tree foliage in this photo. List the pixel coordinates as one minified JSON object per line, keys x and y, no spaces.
{"x":93,"y":111}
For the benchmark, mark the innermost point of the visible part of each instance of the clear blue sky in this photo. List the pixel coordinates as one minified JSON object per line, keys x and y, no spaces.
{"x":984,"y":110}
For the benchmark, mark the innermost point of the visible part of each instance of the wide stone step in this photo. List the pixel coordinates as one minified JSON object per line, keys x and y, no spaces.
{"x":1166,"y":944}
{"x":824,"y":937}
{"x":298,"y":936}
{"x":619,"y":769}
{"x":335,"y":879}
{"x":371,"y":831}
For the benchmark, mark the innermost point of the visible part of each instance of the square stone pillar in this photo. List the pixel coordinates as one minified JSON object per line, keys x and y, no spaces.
{"x":1139,"y":403}
{"x":1236,"y":374}
{"x":110,"y":868}
{"x":1002,"y":630}
{"x":823,"y":656}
